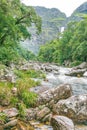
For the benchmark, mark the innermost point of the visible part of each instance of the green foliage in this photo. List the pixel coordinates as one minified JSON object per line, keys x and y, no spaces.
{"x":75,"y":63}
{"x":22,"y":108}
{"x":14,"y":101}
{"x":29,"y":98}
{"x":23,"y":94}
{"x":3,"y":117}
{"x":14,"y":53}
{"x":46,"y":52}
{"x":15,"y":19}
{"x":8,"y":54}
{"x":72,"y":46}
{"x":29,"y":74}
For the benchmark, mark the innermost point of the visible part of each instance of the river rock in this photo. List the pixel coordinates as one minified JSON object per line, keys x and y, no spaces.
{"x":11,"y":112}
{"x":74,"y":107}
{"x":42,"y":113}
{"x":31,"y":113}
{"x":61,"y":92}
{"x":11,"y":123}
{"x":81,"y":66}
{"x":47,"y":118}
{"x":77,"y":72}
{"x":62,"y":123}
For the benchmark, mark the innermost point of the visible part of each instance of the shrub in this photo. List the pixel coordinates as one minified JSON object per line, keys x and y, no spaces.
{"x":5,"y":92}
{"x":21,"y":108}
{"x":3,"y":117}
{"x":29,"y":98}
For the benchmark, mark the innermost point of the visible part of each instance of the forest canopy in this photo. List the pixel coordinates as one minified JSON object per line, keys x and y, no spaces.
{"x":15,"y":19}
{"x":71,"y":46}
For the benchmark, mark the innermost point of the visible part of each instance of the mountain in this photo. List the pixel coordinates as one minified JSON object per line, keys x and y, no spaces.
{"x":82,"y":9}
{"x":52,"y":22}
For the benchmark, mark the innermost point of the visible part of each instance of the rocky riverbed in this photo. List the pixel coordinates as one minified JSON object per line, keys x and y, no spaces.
{"x":61,"y":103}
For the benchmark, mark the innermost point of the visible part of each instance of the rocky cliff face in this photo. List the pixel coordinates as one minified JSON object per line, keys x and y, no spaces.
{"x":81,"y":9}
{"x":52,"y":22}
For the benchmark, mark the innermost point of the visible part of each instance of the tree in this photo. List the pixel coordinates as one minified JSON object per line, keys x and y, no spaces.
{"x":72,"y":46}
{"x":15,"y":18}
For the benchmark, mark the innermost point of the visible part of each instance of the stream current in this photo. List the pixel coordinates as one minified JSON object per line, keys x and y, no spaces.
{"x":78,"y":84}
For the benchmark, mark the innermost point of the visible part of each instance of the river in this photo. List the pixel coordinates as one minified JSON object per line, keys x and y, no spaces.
{"x":78,"y":84}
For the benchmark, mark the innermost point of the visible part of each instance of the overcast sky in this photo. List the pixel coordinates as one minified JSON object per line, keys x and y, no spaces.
{"x":66,"y":6}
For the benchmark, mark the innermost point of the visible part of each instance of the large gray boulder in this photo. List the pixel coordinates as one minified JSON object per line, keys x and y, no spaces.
{"x":55,"y":94}
{"x":62,"y":123}
{"x":74,"y":107}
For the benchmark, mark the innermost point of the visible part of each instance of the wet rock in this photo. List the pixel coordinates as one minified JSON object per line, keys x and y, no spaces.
{"x":11,"y":112}
{"x":42,"y":113}
{"x":11,"y":123}
{"x":61,"y":92}
{"x":77,"y":72}
{"x":62,"y":123}
{"x":74,"y":107}
{"x":48,"y":68}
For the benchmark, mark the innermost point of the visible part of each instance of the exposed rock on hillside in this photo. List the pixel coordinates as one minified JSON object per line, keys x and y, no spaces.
{"x":52,"y":21}
{"x":82,"y":9}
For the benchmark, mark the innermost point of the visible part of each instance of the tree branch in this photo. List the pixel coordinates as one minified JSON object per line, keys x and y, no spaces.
{"x":20,"y":19}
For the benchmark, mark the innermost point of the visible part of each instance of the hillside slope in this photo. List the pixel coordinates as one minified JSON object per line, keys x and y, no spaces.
{"x":52,"y":21}
{"x":82,"y":9}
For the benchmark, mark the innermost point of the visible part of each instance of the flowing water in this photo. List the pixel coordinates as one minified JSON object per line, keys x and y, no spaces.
{"x":79,"y":86}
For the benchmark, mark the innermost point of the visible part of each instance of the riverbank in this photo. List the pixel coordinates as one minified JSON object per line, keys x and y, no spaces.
{"x":50,"y":94}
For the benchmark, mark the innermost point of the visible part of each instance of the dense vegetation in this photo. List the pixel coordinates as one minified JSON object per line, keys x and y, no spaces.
{"x":71,"y":46}
{"x":17,"y":94}
{"x":15,"y":18}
